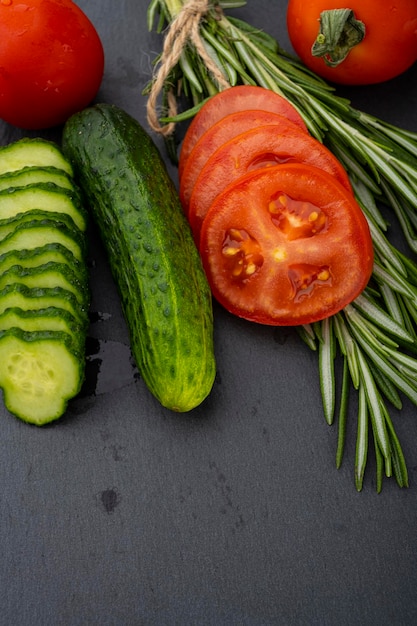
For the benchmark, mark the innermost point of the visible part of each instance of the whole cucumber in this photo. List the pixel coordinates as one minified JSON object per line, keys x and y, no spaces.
{"x":164,"y":292}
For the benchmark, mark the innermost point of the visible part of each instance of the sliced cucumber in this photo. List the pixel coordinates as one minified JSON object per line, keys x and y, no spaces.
{"x":48,"y":276}
{"x":36,"y":233}
{"x":49,"y":253}
{"x":32,"y":175}
{"x":33,"y":299}
{"x":50,"y":318}
{"x":44,"y":291}
{"x":45,"y":196}
{"x":32,"y":152}
{"x":39,"y":373}
{"x":9,"y":224}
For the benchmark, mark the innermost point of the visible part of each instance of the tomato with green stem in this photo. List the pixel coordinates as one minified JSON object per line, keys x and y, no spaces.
{"x":286,"y":245}
{"x":238,"y":98}
{"x":51,"y":62}
{"x":254,"y":149}
{"x":355,"y":43}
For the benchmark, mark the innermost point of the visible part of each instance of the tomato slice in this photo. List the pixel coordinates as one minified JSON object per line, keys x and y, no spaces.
{"x":231,"y":100}
{"x":286,"y":245}
{"x":224,"y":130}
{"x":254,"y":149}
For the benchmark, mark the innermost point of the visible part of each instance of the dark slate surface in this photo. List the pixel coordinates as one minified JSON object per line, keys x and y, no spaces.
{"x":123,"y":513}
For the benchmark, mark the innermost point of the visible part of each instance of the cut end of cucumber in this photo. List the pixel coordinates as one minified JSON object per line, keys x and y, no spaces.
{"x":38,"y":376}
{"x":32,"y":152}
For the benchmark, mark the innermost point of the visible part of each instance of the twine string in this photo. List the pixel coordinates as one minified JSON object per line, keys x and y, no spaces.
{"x":184,"y":29}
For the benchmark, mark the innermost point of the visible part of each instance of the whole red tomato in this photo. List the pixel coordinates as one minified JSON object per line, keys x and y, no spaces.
{"x":51,"y":62}
{"x":387,"y":49}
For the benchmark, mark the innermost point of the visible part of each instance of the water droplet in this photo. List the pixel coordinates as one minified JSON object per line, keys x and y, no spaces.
{"x":116,"y":368}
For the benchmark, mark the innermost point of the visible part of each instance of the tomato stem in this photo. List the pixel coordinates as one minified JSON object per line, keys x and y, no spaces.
{"x":339,"y":32}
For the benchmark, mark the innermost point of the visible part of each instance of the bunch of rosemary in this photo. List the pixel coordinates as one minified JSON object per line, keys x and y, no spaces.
{"x":376,"y":335}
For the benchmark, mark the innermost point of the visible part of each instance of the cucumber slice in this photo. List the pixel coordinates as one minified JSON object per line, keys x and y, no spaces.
{"x":36,"y":233}
{"x":32,"y":152}
{"x":39,"y":373}
{"x":33,"y":299}
{"x":45,"y":196}
{"x":48,"y":276}
{"x":50,"y":318}
{"x":8,"y":224}
{"x":49,"y":253}
{"x":35,"y":175}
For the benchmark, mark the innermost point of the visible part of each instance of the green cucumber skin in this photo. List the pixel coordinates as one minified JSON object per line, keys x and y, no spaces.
{"x":45,"y":276}
{"x":48,"y":231}
{"x":51,"y":318}
{"x":9,"y":224}
{"x":36,"y":174}
{"x":164,"y":292}
{"x":35,"y":298}
{"x":32,"y":152}
{"x":49,"y":253}
{"x":41,"y":195}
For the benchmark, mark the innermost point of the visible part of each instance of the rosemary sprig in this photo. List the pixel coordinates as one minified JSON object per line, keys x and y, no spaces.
{"x":376,"y":336}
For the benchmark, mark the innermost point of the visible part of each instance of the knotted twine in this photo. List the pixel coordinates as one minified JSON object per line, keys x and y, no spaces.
{"x":184,"y":30}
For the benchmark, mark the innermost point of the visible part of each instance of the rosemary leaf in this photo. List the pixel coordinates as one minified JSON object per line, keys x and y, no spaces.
{"x":389,"y":277}
{"x":326,"y":368}
{"x":373,"y":402}
{"x":382,"y":319}
{"x":379,"y":465}
{"x":365,"y":192}
{"x":307,"y":334}
{"x":387,"y":388}
{"x":399,"y":464}
{"x":361,"y":454}
{"x":342,"y":415}
{"x":370,"y":346}
{"x":396,"y":311}
{"x":348,"y":347}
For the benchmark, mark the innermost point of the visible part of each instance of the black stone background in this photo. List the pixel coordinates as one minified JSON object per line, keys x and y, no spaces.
{"x":123,"y":513}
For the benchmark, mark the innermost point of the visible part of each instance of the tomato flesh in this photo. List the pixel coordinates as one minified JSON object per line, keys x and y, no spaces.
{"x":254,"y":149}
{"x":232,"y":100}
{"x":286,"y":245}
{"x":225,"y":130}
{"x":51,"y":62}
{"x":388,"y":49}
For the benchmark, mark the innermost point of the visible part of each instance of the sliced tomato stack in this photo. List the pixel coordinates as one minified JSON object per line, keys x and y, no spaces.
{"x":235,"y":100}
{"x":282,"y":238}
